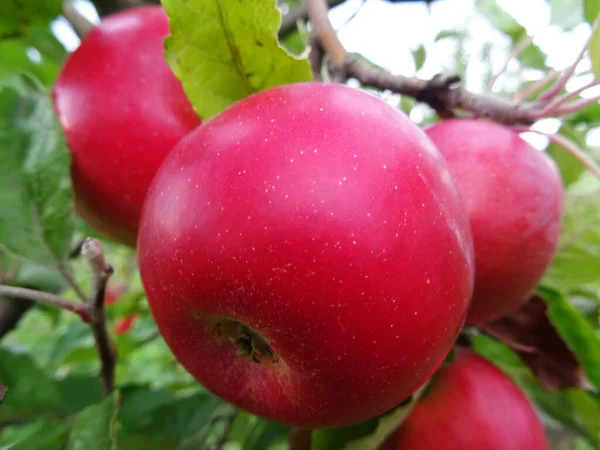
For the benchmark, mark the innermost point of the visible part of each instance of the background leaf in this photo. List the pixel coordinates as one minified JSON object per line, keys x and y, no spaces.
{"x":577,"y":332}
{"x":16,"y":16}
{"x":36,"y":212}
{"x":93,"y":427}
{"x":39,"y":435}
{"x":31,"y":394}
{"x":367,"y":435}
{"x":235,"y":52}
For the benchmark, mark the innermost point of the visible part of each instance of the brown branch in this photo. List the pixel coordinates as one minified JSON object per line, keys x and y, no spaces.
{"x":79,"y":23}
{"x":46,"y":298}
{"x":442,"y":92}
{"x":93,"y":253}
{"x":299,"y":13}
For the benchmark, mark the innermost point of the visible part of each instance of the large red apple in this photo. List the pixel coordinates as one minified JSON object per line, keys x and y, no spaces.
{"x":471,"y":405}
{"x":122,"y":110}
{"x":315,"y":231}
{"x":514,"y":196}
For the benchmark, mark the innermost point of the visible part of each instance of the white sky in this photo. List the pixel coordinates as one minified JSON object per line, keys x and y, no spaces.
{"x":386,"y":33}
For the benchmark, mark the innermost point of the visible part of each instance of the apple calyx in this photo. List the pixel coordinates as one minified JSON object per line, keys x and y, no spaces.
{"x":250,"y":344}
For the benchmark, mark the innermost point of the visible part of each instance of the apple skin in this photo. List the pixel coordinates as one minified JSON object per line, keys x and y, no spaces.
{"x":471,"y":405}
{"x":514,"y":196}
{"x":325,"y":221}
{"x":122,"y":110}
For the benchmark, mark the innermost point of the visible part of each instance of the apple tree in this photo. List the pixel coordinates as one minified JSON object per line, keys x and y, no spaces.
{"x":238,"y":225}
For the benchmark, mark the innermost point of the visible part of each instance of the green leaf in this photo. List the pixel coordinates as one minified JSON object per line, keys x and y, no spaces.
{"x":94,"y":427}
{"x":76,"y":336}
{"x":577,"y":332}
{"x":445,"y":34}
{"x":577,"y":261}
{"x":31,"y":394}
{"x":36,"y":211}
{"x":16,"y":16}
{"x":499,"y":18}
{"x":367,"y":435}
{"x":162,"y":414}
{"x":234,"y":54}
{"x":594,"y":48}
{"x":570,"y":168}
{"x":38,"y":435}
{"x":41,"y":278}
{"x":588,"y":116}
{"x":79,"y":392}
{"x":419,"y":57}
{"x":562,"y":406}
{"x":591,"y":9}
{"x":532,"y":55}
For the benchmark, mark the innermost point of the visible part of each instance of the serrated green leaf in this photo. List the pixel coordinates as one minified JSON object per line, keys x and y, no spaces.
{"x":594,"y":48}
{"x":36,"y":211}
{"x":38,"y":435}
{"x":226,"y":50}
{"x":94,"y":427}
{"x":558,"y":404}
{"x":577,"y":261}
{"x":16,"y":16}
{"x":591,"y":9}
{"x":32,"y":394}
{"x":367,"y":435}
{"x":570,"y":168}
{"x":576,"y":331}
{"x":419,"y":57}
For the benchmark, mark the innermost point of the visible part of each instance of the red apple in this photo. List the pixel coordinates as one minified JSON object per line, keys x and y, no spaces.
{"x":471,"y":405}
{"x":315,"y":231}
{"x":125,"y":324}
{"x":122,"y":110}
{"x":514,"y":196}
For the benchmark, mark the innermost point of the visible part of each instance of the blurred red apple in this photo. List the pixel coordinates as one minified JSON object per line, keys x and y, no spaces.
{"x":122,"y":110}
{"x":514,"y":196}
{"x":471,"y":405}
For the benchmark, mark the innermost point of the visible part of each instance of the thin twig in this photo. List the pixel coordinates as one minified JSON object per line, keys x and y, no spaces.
{"x":64,"y":271}
{"x":351,"y":18}
{"x":566,"y":75}
{"x":48,"y":299}
{"x":569,"y":146}
{"x":227,"y":426}
{"x":93,"y":253}
{"x":561,"y":100}
{"x":521,"y":45}
{"x":316,"y":59}
{"x":80,"y":24}
{"x":522,"y":96}
{"x":299,"y":13}
{"x":575,"y":106}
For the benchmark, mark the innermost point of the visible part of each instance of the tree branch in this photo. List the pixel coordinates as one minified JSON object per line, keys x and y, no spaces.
{"x":79,"y":23}
{"x":443,"y":93}
{"x":93,"y":254}
{"x":299,"y":12}
{"x":47,"y":298}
